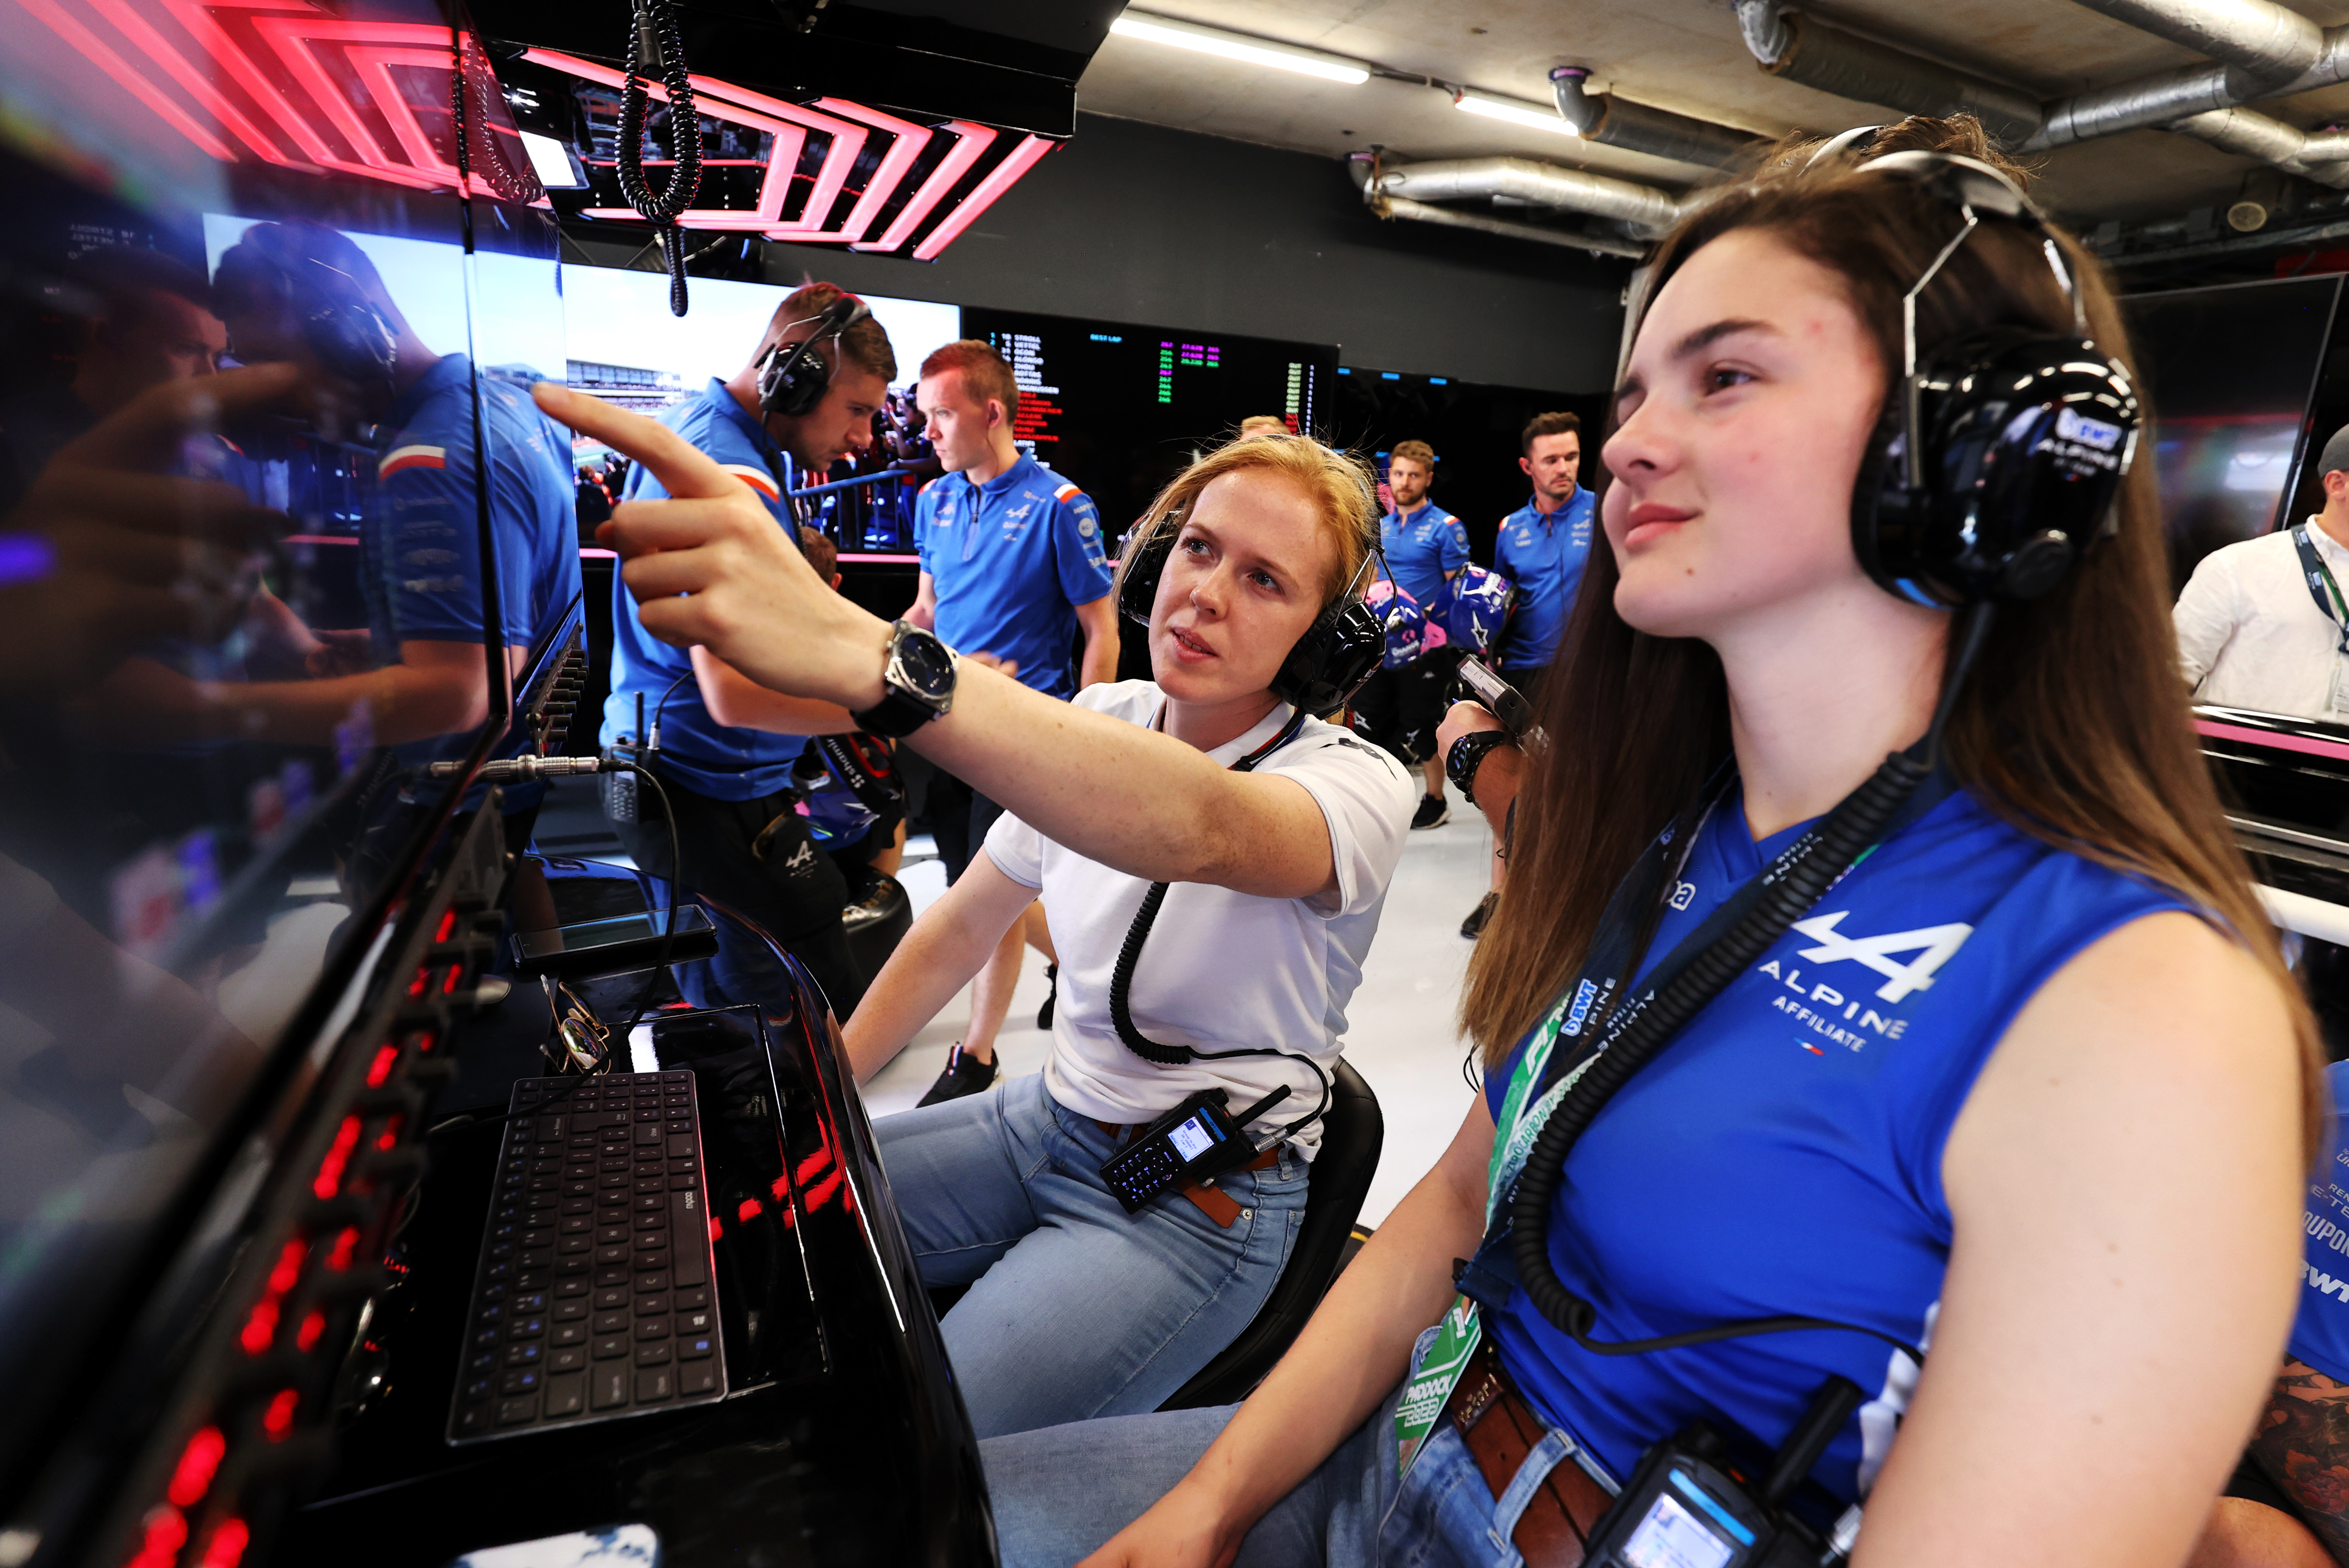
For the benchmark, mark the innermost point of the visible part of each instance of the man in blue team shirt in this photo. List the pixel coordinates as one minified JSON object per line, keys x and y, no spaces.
{"x":1012,"y":567}
{"x":727,"y":744}
{"x":2288,"y":1503}
{"x":303,"y":293}
{"x":1426,"y":546}
{"x":1543,"y":548}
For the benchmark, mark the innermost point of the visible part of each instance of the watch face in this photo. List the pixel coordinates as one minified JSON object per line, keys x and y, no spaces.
{"x":926,"y":666}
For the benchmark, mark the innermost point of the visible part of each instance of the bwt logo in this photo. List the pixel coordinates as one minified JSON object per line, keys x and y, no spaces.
{"x":2096,"y":433}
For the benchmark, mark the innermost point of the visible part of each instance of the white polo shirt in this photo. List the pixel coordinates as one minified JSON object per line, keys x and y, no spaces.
{"x":2250,"y":635}
{"x":1222,"y":971}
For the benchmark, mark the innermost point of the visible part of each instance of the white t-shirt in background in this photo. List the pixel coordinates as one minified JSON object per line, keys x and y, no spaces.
{"x":2250,"y":634}
{"x":1221,"y":970}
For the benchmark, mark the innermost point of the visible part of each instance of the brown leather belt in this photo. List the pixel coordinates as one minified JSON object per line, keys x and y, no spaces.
{"x":1212,"y":1202}
{"x":1500,"y":1429}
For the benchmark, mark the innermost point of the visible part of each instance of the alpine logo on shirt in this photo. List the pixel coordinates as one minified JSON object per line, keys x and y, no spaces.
{"x":1851,"y":1020}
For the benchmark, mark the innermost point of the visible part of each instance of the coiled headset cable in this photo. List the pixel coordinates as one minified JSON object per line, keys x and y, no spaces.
{"x":1854,"y":825}
{"x":1121,"y":980}
{"x":656,"y":47}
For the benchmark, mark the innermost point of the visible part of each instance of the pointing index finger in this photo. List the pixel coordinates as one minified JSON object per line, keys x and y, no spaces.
{"x":684,"y":471}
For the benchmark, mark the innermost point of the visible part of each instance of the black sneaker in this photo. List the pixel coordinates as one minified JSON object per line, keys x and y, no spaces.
{"x":964,"y":1076}
{"x":1434,"y":812}
{"x":1474,"y":926}
{"x":1051,"y":978}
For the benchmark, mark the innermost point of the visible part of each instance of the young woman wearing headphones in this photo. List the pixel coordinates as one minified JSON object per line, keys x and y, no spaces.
{"x":1811,"y":1064}
{"x":1271,"y":834}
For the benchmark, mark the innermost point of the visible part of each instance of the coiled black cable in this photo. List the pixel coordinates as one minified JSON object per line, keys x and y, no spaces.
{"x":1850,"y":828}
{"x":657,"y":36}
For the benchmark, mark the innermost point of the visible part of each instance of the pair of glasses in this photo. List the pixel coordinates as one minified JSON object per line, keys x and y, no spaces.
{"x":581,"y":1043}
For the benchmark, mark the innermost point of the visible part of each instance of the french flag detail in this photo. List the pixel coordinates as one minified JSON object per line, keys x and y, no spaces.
{"x":401,"y":458}
{"x":1067,"y":493}
{"x":758,"y":479}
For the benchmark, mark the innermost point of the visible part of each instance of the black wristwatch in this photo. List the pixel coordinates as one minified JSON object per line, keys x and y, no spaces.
{"x":918,"y":683}
{"x":1467,"y":754}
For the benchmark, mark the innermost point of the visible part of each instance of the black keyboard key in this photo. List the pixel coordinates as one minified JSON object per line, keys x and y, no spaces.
{"x":694,"y":1298}
{"x":652,"y":1328}
{"x":487,"y":1361}
{"x":696,"y":1322}
{"x":610,"y":1274}
{"x":651,"y":1203}
{"x":541,"y":1260}
{"x":611,"y":1235}
{"x":533,"y":1301}
{"x":611,"y":1255}
{"x":608,"y":1182}
{"x":658,"y":1281}
{"x":656,"y":1385}
{"x":611,"y":1346}
{"x":683,"y":1180}
{"x":680,"y":1145}
{"x":571,"y":1310}
{"x":649,"y":1133}
{"x":577,"y":1224}
{"x":697,"y":1378}
{"x":521,"y":1382}
{"x":570,"y":1287}
{"x":611,"y":1322}
{"x":614,"y":1199}
{"x":692,"y":1266}
{"x":607,"y":1299}
{"x":514,"y":1412}
{"x":528,"y":1327}
{"x":565,"y":1361}
{"x":579,"y":1206}
{"x":567,"y":1394}
{"x":607,"y":1388}
{"x":613,"y":1165}
{"x":649,"y":1184}
{"x":523,"y":1355}
{"x":652,"y":1306}
{"x":571,"y":1264}
{"x":693,"y":1347}
{"x":475,"y":1420}
{"x":568,"y":1334}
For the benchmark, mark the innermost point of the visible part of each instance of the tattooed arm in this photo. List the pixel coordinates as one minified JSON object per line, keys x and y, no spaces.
{"x":2302,"y":1444}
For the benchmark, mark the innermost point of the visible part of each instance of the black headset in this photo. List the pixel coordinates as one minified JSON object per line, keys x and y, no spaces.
{"x":1325,"y":667}
{"x":793,"y":378}
{"x":1999,"y":460}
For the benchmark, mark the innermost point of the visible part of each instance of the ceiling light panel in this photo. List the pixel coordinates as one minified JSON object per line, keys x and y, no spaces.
{"x":1235,"y":46}
{"x":1533,"y":117}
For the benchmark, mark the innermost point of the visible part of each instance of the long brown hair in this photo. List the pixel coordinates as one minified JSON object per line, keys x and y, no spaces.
{"x":2073,"y":726}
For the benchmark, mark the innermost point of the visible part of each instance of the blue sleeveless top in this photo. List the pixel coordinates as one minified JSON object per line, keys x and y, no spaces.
{"x":1784,"y":1155}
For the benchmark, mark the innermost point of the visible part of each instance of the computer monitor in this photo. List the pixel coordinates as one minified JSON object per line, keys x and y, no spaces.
{"x":1120,"y":407}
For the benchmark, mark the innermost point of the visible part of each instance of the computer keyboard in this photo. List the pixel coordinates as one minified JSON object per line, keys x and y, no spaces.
{"x":594,"y":1298}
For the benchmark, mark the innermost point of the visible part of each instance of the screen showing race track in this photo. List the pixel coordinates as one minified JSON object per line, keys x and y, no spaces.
{"x":1120,"y":407}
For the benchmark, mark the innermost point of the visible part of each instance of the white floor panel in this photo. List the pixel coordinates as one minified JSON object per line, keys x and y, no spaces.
{"x":1404,"y":1037}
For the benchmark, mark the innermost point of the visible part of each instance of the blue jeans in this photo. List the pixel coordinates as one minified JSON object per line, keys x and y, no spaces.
{"x":1076,"y":1308}
{"x":1059,"y":1494}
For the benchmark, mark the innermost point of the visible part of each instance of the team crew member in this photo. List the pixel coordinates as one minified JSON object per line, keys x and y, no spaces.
{"x":726,"y":746}
{"x":1263,"y":424}
{"x":2286,"y":1506}
{"x":1425,"y":548}
{"x":1013,"y":568}
{"x":2035,"y":956}
{"x":426,"y":585}
{"x":2263,"y":624}
{"x":1542,"y":548}
{"x":1077,"y":1308}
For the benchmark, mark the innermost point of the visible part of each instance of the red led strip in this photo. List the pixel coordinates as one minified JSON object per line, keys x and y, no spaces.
{"x":998,"y":179}
{"x":970,"y":141}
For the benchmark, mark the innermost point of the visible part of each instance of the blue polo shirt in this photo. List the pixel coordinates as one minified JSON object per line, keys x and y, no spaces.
{"x":708,"y":758}
{"x":2320,"y":1335}
{"x":1544,"y":556}
{"x":1422,"y":548}
{"x":420,"y":542}
{"x":1009,"y":560}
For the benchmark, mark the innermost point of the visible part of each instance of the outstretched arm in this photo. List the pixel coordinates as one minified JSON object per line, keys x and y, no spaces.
{"x":949,"y":944}
{"x":2302,"y":1444}
{"x":1348,"y":1360}
{"x":708,"y":566}
{"x":2125,"y":1181}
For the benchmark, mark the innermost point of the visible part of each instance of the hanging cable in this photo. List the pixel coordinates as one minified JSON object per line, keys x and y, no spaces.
{"x":657,"y":49}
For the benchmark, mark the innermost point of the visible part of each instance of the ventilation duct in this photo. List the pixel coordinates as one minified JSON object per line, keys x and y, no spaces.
{"x":1641,"y":128}
{"x":2262,"y":39}
{"x":1807,"y":50}
{"x":1535,"y":183}
{"x":1380,"y":187}
{"x":2170,"y":95}
{"x":2313,"y":155}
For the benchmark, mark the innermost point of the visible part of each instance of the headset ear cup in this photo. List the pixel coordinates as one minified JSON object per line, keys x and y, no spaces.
{"x":1328,"y":664}
{"x":1137,"y":591}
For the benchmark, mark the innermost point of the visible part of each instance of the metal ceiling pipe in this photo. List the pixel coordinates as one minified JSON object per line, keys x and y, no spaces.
{"x":1807,"y":50}
{"x":2317,"y":156}
{"x":2171,"y":95}
{"x":1420,"y":212}
{"x":2257,"y":35}
{"x":1363,"y":169}
{"x":1642,"y":127}
{"x":1545,"y":184}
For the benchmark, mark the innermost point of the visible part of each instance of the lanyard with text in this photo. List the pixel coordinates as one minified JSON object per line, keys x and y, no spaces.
{"x":2333,"y":606}
{"x":1543,"y":1074}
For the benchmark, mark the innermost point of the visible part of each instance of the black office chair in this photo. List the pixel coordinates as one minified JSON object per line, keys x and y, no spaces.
{"x":1351,"y":1136}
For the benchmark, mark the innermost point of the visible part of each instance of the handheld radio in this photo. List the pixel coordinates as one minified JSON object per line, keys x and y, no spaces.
{"x":1500,"y":699}
{"x":1198,"y":1141}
